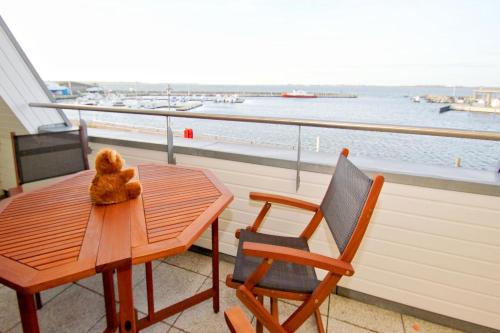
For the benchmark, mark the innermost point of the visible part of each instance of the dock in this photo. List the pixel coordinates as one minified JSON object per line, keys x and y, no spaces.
{"x":474,"y":108}
{"x":229,"y":93}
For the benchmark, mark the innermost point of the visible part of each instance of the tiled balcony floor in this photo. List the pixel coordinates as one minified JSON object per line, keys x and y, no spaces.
{"x":79,"y":307}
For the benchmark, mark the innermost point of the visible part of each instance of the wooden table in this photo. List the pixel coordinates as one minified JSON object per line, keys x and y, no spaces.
{"x":54,"y":235}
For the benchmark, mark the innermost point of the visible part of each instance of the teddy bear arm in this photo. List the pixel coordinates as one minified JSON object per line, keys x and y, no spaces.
{"x":127,"y":174}
{"x":133,"y":189}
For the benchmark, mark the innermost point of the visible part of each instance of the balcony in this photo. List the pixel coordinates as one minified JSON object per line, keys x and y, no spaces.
{"x":430,"y":261}
{"x":430,"y":251}
{"x":79,"y":307}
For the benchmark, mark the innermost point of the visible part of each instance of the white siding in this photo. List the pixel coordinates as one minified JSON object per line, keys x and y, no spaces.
{"x":432,"y":249}
{"x":8,"y":123}
{"x":19,"y":87}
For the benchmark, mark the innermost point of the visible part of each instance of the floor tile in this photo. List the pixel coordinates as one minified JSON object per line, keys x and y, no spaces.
{"x":65,"y":314}
{"x":225,"y":268}
{"x":285,"y":310}
{"x":95,"y":282}
{"x":156,"y":328}
{"x":338,"y":326}
{"x":171,"y":285}
{"x":9,"y":311}
{"x":415,"y":325}
{"x":49,"y":294}
{"x":192,"y":261}
{"x":365,"y":315}
{"x":323,"y":309}
{"x":201,"y":318}
{"x":175,"y":330}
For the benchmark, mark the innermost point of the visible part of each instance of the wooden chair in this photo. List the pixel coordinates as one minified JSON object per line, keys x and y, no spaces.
{"x":283,"y":267}
{"x":237,"y":321}
{"x":48,"y":155}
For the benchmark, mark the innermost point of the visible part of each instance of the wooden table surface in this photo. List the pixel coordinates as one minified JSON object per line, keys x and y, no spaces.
{"x":55,"y":235}
{"x":48,"y":237}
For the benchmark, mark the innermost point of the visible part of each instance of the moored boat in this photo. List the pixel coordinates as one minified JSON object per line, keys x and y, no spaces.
{"x":298,"y":94}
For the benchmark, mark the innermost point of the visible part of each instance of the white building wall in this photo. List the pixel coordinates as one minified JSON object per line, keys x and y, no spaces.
{"x":432,"y":249}
{"x":19,"y":85}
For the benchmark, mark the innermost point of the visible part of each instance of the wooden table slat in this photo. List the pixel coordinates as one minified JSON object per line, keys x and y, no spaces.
{"x":35,"y":227}
{"x":116,"y":237}
{"x":28,"y":245}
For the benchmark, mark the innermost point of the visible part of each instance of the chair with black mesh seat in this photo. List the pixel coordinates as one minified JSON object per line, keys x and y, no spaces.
{"x":48,"y":155}
{"x":283,"y":267}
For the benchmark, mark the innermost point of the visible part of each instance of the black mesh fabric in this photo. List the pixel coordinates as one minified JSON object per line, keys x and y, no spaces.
{"x":48,"y":155}
{"x":344,"y":200}
{"x":282,"y":275}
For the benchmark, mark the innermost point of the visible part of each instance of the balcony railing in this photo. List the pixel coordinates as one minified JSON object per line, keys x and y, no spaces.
{"x":427,"y":131}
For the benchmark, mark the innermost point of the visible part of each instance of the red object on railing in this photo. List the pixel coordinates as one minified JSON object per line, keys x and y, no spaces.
{"x":188,"y":133}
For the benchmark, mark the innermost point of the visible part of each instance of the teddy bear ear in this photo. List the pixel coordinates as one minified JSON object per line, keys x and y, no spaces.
{"x":112,"y":156}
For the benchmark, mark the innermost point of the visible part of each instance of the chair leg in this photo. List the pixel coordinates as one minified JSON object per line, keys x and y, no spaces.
{"x":274,"y":308}
{"x":258,"y":327}
{"x":38,"y":299}
{"x":260,"y":312}
{"x":319,"y":322}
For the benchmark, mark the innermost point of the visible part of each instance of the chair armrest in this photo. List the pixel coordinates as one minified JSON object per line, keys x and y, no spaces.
{"x":279,"y":199}
{"x":296,"y":256}
{"x":237,"y":321}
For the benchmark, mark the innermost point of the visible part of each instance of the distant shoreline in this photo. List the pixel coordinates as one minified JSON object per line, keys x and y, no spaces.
{"x":290,"y":85}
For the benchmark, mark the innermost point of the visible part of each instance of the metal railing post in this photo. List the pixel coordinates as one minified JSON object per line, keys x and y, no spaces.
{"x":170,"y":143}
{"x":297,"y":177}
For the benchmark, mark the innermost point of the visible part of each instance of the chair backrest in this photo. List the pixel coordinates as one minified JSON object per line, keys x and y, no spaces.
{"x":48,"y":155}
{"x":345,"y":200}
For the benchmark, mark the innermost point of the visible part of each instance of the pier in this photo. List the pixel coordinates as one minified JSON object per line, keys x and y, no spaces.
{"x":474,"y":108}
{"x":239,"y":93}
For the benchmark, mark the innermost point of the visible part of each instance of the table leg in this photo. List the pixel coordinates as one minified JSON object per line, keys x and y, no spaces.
{"x":38,"y":299}
{"x":127,"y":312}
{"x":215,"y":264}
{"x":150,"y":290}
{"x":109,"y":301}
{"x":27,"y":310}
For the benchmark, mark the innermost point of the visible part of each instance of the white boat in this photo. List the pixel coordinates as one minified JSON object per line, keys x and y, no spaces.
{"x":298,"y":94}
{"x":119,"y":103}
{"x":416,"y":99}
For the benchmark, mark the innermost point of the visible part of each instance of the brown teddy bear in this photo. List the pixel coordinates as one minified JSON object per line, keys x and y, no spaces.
{"x":111,"y":184}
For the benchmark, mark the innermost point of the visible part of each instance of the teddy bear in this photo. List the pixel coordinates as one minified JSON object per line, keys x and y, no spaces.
{"x":111,"y":184}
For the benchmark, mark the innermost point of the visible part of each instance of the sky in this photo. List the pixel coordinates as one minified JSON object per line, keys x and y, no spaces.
{"x":351,"y":42}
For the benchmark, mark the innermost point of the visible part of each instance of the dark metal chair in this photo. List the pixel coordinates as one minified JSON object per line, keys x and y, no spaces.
{"x":284,"y":267}
{"x":48,"y":155}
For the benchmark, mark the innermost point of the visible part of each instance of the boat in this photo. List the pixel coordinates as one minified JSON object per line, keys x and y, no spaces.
{"x":298,"y":94}
{"x":119,"y":103}
{"x":416,"y":99}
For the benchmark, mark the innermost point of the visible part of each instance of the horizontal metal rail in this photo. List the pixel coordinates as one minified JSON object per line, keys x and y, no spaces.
{"x":432,"y":131}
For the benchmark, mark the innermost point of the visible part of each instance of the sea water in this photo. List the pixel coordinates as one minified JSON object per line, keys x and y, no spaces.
{"x":378,"y":105}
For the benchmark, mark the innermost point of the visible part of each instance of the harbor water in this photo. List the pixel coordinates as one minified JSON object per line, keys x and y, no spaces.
{"x":382,"y":105}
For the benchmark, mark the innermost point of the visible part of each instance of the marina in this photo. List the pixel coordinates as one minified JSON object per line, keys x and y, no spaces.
{"x":374,"y":104}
